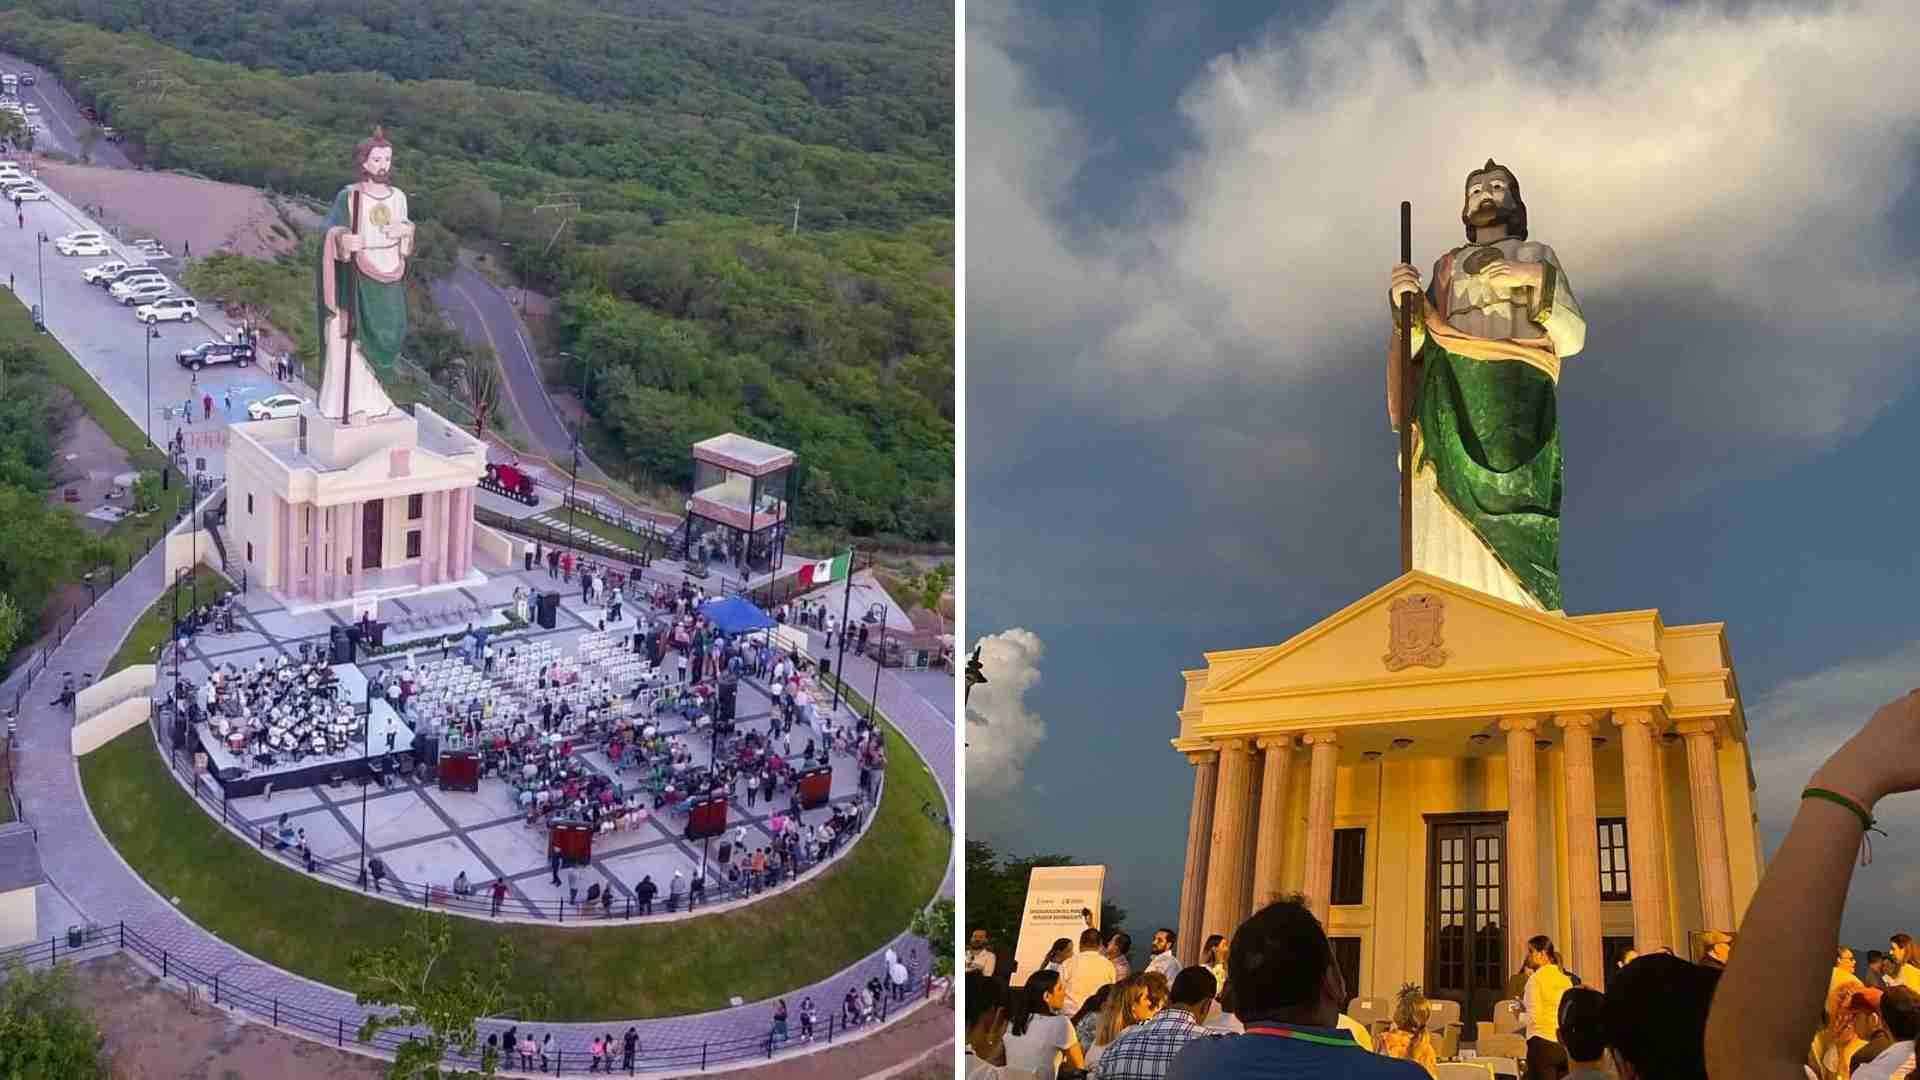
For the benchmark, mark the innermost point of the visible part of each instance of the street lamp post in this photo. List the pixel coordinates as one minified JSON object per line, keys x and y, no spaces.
{"x":573,"y":486}
{"x":40,"y":264}
{"x":152,"y":332}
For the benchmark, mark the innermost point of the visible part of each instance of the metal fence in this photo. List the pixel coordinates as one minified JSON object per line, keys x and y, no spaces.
{"x":91,"y":941}
{"x":98,"y":582}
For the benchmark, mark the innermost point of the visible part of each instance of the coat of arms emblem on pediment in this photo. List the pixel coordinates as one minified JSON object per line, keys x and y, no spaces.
{"x":1414,"y":633}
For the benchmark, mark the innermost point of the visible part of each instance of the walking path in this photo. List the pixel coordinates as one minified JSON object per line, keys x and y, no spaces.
{"x":83,"y":863}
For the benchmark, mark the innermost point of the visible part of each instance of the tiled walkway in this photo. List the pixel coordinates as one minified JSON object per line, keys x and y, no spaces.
{"x":79,"y":858}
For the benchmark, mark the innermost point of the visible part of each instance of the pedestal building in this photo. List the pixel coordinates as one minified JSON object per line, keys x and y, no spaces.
{"x":1445,"y":774}
{"x":322,"y":512}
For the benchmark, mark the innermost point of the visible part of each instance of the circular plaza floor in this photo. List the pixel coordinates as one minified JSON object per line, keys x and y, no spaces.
{"x":426,"y":836}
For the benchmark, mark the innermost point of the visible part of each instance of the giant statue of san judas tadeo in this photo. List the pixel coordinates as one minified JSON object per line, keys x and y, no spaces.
{"x":363,"y":304}
{"x":1499,"y":319}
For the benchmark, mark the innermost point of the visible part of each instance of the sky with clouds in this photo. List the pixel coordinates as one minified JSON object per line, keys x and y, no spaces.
{"x":1180,"y":221}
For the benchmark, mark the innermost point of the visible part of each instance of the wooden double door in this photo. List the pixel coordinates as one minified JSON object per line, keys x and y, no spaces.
{"x":1466,"y":911}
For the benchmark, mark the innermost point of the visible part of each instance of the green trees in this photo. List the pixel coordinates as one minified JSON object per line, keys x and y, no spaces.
{"x":685,"y":137}
{"x":418,"y":980}
{"x":42,"y":1032}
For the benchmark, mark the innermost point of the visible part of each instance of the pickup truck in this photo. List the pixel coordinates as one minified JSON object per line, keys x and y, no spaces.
{"x":215,"y":352}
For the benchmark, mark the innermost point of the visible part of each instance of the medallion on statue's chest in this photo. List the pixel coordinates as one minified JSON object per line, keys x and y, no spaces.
{"x":1414,"y":632}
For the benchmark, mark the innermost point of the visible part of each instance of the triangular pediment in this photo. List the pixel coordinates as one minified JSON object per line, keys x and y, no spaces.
{"x":1418,"y":628}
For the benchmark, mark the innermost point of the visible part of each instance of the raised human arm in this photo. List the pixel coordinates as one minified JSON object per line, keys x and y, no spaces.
{"x":1777,"y":975}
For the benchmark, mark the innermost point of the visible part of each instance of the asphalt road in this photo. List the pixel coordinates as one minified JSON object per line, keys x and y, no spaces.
{"x":112,"y":346}
{"x":484,"y":315}
{"x":60,"y":116}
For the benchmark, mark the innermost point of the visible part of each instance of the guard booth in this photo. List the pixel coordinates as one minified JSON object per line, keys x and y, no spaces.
{"x":741,"y":503}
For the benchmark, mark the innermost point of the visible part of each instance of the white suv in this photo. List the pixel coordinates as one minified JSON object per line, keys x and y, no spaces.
{"x":84,"y":235}
{"x":144,"y":291}
{"x":170,"y":308}
{"x":94,"y":275}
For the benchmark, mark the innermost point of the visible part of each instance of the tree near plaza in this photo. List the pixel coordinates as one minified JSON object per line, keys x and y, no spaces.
{"x":411,"y":978}
{"x":42,"y":1032}
{"x":935,"y":923}
{"x":480,"y":387}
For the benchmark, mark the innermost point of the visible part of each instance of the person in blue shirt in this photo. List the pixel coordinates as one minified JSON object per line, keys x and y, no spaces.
{"x":1287,"y":991}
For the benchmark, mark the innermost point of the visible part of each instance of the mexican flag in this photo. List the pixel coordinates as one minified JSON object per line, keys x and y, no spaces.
{"x":820,"y":573}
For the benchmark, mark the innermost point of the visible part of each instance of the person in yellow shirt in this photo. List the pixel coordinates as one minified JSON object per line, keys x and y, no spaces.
{"x":1903,"y":954}
{"x":1842,"y":970}
{"x":1408,"y":1038}
{"x":1540,"y":1009}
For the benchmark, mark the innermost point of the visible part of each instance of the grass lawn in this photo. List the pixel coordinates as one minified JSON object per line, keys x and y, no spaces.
{"x":640,"y":970}
{"x":153,"y":627}
{"x":593,"y":526}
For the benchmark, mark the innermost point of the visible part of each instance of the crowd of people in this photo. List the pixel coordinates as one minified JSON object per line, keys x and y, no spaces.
{"x":1268,"y":1004}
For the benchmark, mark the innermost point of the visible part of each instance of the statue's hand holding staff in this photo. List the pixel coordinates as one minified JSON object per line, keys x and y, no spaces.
{"x":1405,"y":281}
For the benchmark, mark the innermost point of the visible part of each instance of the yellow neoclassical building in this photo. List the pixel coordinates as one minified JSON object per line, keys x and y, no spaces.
{"x":1445,"y":774}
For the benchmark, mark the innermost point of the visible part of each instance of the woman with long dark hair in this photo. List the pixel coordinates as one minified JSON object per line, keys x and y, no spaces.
{"x":1040,"y":1040}
{"x":1540,"y":1010}
{"x":1062,"y":948}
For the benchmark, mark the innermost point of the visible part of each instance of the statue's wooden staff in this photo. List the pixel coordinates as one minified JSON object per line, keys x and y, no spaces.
{"x":352,"y":300}
{"x":1409,"y":388}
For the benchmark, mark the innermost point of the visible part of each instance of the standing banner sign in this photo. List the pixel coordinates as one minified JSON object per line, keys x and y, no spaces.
{"x":1062,"y":901}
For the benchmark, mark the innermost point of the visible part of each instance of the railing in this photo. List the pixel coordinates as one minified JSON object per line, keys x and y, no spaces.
{"x":556,"y":537}
{"x":201,"y":986}
{"x":346,"y":870}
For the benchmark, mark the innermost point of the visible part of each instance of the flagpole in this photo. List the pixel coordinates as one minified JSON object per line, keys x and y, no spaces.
{"x":840,"y":665}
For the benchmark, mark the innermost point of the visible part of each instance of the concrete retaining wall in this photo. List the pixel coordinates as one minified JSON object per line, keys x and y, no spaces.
{"x":111,"y":723}
{"x":132,"y":682}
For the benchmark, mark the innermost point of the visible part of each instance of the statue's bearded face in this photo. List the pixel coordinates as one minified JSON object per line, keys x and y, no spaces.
{"x":379,"y":163}
{"x":1489,"y":199}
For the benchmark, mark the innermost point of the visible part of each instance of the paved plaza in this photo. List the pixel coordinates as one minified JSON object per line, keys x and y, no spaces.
{"x":426,"y":836}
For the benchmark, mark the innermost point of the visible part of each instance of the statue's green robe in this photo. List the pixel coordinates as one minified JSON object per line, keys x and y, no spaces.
{"x":377,"y":309}
{"x":1487,"y":422}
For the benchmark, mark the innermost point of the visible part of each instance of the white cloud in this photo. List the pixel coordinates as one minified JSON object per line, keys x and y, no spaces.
{"x":1736,"y":165}
{"x":1001,"y":731}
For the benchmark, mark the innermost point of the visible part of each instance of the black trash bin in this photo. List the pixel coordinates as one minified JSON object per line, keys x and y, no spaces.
{"x":529,"y":558}
{"x":76,"y":937}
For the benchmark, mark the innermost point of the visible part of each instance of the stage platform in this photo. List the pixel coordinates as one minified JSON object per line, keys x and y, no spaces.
{"x":288,"y":772}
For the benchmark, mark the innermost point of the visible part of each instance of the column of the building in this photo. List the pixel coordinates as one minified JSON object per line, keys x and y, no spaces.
{"x":303,"y":521}
{"x":1523,"y":835}
{"x":282,"y":575}
{"x":329,"y":554}
{"x":433,"y":542}
{"x":1269,"y":851}
{"x":1646,"y":846}
{"x":1227,"y":866}
{"x":356,"y":544}
{"x":424,"y":565}
{"x":1322,"y":769}
{"x":457,"y":545}
{"x":1709,"y":823}
{"x":1193,"y":883}
{"x":1583,"y":854}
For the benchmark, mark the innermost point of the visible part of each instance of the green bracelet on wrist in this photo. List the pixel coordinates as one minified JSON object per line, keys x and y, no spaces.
{"x":1866,"y":820}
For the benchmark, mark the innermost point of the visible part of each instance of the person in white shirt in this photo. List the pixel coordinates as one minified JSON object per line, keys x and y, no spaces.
{"x":1041,"y":1039}
{"x":980,"y":958}
{"x":1118,"y":946}
{"x":1162,"y":960}
{"x":1086,"y":971}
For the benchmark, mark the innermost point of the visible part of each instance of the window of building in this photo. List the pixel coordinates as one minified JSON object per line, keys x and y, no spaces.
{"x":1614,"y":884}
{"x":1346,"y":954}
{"x":1349,"y":866}
{"x":413,"y":542}
{"x":249,"y":551}
{"x":249,"y":502}
{"x":416,"y":505}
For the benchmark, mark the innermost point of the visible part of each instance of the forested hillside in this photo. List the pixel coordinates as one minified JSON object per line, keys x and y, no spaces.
{"x":684,"y":136}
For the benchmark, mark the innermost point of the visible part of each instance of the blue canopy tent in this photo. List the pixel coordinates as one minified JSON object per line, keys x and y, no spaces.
{"x":736,"y":616}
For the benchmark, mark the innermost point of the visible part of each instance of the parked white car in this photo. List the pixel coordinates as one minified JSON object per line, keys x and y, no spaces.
{"x":82,"y":234}
{"x":101,"y":272}
{"x":30,"y":108}
{"x":72,"y":240}
{"x":168,"y":309}
{"x":92,"y":250}
{"x":34,"y":194}
{"x":277,"y":407}
{"x":133,"y":279}
{"x":145,"y":291}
